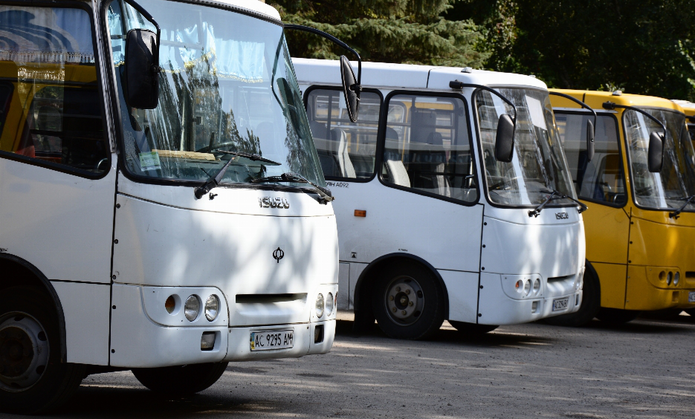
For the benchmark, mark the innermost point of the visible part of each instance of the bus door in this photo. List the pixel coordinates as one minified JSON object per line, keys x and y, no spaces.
{"x":55,"y":177}
{"x":601,"y":184}
{"x":413,"y":192}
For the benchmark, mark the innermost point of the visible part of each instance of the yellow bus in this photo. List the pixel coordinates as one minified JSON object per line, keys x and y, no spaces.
{"x":689,"y":110}
{"x":640,"y":190}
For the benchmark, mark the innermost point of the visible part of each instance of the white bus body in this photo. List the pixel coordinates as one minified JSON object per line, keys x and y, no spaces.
{"x":420,"y":239}
{"x":109,"y":260}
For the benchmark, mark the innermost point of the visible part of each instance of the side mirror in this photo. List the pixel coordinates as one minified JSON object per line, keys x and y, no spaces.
{"x":590,"y":135}
{"x":351,"y":90}
{"x":655,"y":154}
{"x":141,"y":69}
{"x":504,"y":141}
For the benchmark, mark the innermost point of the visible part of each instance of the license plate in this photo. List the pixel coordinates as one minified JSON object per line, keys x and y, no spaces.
{"x":691,"y":297}
{"x":561,"y":304}
{"x":269,"y":340}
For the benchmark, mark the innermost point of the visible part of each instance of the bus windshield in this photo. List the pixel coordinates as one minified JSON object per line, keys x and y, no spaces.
{"x":538,"y":167}
{"x":675,"y":183}
{"x":227,"y":91}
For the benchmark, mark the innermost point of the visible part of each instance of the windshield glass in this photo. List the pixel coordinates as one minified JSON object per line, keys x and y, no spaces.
{"x":670,"y":187}
{"x":538,"y":165}
{"x":226,"y":84}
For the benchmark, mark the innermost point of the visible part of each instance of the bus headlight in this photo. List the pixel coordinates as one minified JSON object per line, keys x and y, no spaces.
{"x":536,"y":286}
{"x":191,"y":308}
{"x":329,"y":304}
{"x":676,"y":278}
{"x":212,"y":307}
{"x":320,"y":305}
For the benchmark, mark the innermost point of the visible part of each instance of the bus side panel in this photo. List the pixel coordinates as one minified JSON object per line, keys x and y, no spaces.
{"x":462,"y":288}
{"x":344,"y":286}
{"x":446,"y":235}
{"x":86,"y":308}
{"x":612,"y":278}
{"x":607,"y":232}
{"x":60,"y":223}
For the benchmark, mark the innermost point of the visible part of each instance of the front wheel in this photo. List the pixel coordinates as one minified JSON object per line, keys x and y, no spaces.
{"x":408,"y":302}
{"x":180,"y":380}
{"x":32,"y":377}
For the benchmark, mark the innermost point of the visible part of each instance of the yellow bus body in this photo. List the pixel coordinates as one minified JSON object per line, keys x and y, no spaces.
{"x":632,"y":249}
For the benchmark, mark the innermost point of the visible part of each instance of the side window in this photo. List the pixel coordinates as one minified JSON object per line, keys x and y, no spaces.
{"x":601,"y":179}
{"x":53,"y":114}
{"x":346,"y":150}
{"x":427,"y":147}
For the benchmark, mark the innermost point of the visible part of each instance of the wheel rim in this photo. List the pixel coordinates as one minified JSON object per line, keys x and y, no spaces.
{"x":404,"y":300}
{"x":24,"y":352}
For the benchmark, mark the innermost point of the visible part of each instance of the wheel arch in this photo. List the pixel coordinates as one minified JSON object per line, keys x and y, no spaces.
{"x":365,"y":283}
{"x":19,"y":272}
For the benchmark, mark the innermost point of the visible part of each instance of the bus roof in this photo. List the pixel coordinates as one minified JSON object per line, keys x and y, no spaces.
{"x":409,"y":76}
{"x":595,"y":99}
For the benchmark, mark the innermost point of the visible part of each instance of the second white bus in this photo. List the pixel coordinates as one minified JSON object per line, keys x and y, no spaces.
{"x":452,"y":195}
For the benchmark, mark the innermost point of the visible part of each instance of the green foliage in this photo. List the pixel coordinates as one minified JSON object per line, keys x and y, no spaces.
{"x":404,"y":31}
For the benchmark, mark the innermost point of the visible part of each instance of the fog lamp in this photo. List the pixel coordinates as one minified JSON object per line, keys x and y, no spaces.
{"x":207,"y":341}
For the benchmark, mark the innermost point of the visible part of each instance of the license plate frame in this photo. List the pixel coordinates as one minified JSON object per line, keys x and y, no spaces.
{"x":691,"y":297}
{"x":561,"y":304}
{"x":271,"y":340}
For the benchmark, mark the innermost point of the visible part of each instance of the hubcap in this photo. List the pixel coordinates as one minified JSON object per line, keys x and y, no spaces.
{"x":404,"y":300}
{"x":24,"y":352}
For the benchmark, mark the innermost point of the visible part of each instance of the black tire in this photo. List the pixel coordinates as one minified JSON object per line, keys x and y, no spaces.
{"x":32,"y":381}
{"x":180,"y":380}
{"x":616,"y":316}
{"x":408,"y":302}
{"x":472,"y":329}
{"x":690,"y":311}
{"x":590,"y":306}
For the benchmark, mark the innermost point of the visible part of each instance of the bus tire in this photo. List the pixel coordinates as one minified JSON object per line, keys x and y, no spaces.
{"x":32,"y":377}
{"x":616,"y":316}
{"x":591,"y":302}
{"x":690,"y":311}
{"x":407,"y":302}
{"x":180,"y":380}
{"x":472,"y":329}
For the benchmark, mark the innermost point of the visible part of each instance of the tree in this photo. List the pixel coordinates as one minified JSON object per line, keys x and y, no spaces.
{"x":401,"y":31}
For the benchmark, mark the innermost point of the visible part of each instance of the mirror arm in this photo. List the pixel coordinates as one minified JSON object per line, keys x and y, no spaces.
{"x":333,"y":39}
{"x":611,"y":106}
{"x":578,"y":102}
{"x":455,"y":84}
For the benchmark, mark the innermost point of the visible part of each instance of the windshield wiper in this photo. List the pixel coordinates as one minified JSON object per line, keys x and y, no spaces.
{"x":323,"y":193}
{"x":250,"y":156}
{"x":555,"y":195}
{"x":675,"y":213}
{"x":214,"y":180}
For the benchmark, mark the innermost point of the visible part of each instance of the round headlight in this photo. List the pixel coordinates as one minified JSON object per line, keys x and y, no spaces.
{"x":536,"y":286}
{"x":191,"y":308}
{"x":527,"y":287}
{"x":676,"y":278}
{"x":319,"y":305}
{"x":329,"y":304}
{"x":212,"y":307}
{"x":669,"y":278}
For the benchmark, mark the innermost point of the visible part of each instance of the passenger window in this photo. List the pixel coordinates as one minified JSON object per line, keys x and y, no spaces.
{"x":346,"y":150}
{"x":601,"y":179}
{"x":427,"y":147}
{"x":55,"y":114}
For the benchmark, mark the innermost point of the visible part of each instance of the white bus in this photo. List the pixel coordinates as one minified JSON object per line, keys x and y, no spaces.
{"x":162,"y":204}
{"x":440,"y":214}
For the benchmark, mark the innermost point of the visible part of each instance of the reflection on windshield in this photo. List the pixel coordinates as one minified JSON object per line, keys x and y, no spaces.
{"x":226,"y":85}
{"x":671,"y":187}
{"x":538,"y":165}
